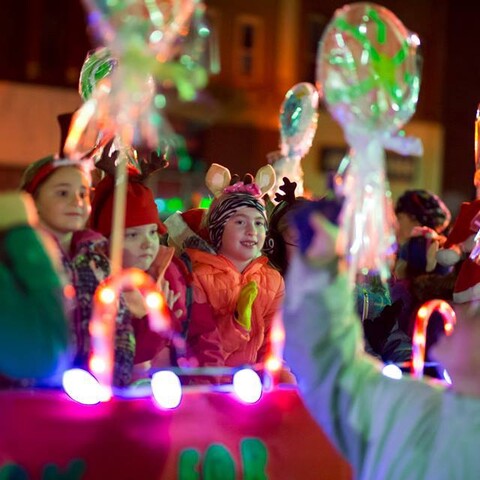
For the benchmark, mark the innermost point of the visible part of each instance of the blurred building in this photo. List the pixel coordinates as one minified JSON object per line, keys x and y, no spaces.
{"x":265,"y":48}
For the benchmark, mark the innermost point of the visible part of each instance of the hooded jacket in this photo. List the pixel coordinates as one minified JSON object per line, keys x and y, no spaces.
{"x":214,"y":336}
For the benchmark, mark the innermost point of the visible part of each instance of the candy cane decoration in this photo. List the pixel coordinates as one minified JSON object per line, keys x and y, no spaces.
{"x":420,"y":331}
{"x":102,"y":325}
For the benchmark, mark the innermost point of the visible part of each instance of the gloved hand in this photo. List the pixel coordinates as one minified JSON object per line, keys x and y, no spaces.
{"x":243,"y":313}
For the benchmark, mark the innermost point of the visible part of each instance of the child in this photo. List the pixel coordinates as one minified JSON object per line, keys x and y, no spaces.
{"x":61,"y":192}
{"x":235,"y":292}
{"x":142,"y":250}
{"x":34,"y":340}
{"x":420,"y":208}
{"x":385,"y":428}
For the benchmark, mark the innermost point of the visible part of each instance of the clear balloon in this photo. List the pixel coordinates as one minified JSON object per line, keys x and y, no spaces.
{"x":298,"y":119}
{"x":368,"y":68}
{"x":368,"y":75}
{"x":148,"y":44}
{"x":98,"y":64}
{"x":298,"y":124}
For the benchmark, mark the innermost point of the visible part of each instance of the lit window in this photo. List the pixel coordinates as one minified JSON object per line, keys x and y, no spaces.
{"x":249,"y":45}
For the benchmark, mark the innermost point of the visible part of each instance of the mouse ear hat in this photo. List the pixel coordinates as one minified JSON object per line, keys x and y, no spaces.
{"x":231,"y":194}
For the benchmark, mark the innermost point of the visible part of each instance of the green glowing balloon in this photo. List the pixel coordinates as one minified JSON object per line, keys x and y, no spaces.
{"x":368,"y":68}
{"x":98,"y":64}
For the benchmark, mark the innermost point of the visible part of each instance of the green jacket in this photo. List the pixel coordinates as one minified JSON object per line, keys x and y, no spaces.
{"x":387,"y":429}
{"x":34,"y":335}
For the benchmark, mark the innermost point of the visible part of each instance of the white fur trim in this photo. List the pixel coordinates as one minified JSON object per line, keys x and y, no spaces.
{"x":178,"y":230}
{"x":468,"y":295}
{"x":447,"y":257}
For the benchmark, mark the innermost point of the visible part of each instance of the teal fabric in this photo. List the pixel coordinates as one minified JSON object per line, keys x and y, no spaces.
{"x":34,"y":335}
{"x":378,"y":296}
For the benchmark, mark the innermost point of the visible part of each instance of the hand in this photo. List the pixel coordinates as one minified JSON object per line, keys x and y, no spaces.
{"x":243,"y":314}
{"x":170,"y":297}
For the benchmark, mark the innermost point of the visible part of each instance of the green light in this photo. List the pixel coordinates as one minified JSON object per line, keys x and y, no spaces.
{"x":174,"y":204}
{"x":203,"y":32}
{"x":160,"y":101}
{"x":184,"y":163}
{"x":205,"y":202}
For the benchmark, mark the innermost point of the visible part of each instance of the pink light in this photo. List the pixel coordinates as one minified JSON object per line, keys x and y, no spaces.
{"x":274,"y":359}
{"x":420,"y":331}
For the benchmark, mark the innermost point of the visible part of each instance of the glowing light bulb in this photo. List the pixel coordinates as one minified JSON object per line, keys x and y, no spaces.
{"x":447,"y":378}
{"x":154,"y":300}
{"x":107,"y":295}
{"x":392,"y":371}
{"x":97,"y":364}
{"x":247,"y":385}
{"x":273,"y":364}
{"x":166,"y":389}
{"x":81,"y":386}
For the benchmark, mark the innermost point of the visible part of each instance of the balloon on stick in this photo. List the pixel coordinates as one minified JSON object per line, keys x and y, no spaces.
{"x":298,"y":124}
{"x":155,"y":44}
{"x":368,"y":75}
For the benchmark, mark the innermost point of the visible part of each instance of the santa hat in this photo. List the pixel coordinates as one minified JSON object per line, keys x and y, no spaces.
{"x":37,"y":172}
{"x":464,"y":227}
{"x":467,"y":285}
{"x":140,"y":206}
{"x":183,"y":226}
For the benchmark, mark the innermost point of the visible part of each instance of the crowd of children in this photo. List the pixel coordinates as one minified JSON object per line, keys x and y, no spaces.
{"x":221,"y":291}
{"x":220,"y":269}
{"x":222,"y":272}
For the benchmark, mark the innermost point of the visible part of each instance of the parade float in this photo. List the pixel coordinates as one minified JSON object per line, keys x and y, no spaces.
{"x":248,"y":425}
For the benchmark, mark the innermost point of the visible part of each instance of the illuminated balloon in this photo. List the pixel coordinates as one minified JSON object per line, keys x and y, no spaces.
{"x":298,"y":124}
{"x":368,"y":68}
{"x":147,"y":44}
{"x":298,"y":119}
{"x":98,"y":64}
{"x":368,"y":75}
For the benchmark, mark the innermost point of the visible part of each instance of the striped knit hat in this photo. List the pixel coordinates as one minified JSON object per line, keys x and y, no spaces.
{"x":224,"y":207}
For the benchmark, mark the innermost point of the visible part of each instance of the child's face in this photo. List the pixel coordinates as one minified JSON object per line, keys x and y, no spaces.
{"x":459,"y":353}
{"x":243,"y":237}
{"x":140,"y":246}
{"x":63,"y":201}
